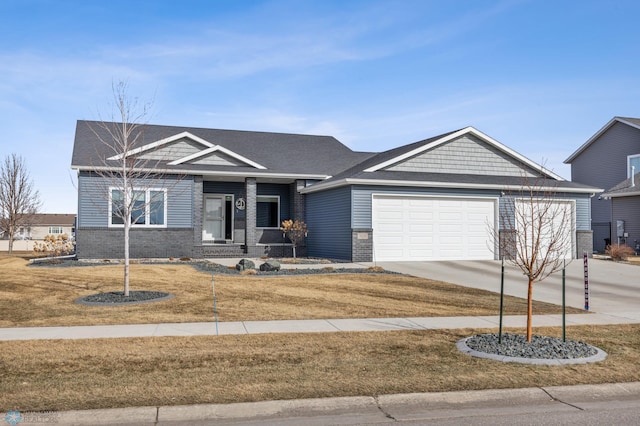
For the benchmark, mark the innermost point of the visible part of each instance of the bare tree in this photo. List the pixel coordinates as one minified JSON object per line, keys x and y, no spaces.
{"x":19,"y":201}
{"x":535,"y":233}
{"x":134,"y":184}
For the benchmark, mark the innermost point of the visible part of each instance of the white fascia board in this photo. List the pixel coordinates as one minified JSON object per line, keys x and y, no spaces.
{"x":163,"y":142}
{"x":381,"y":182}
{"x":597,"y":135}
{"x":623,"y":194}
{"x":457,"y":134}
{"x":214,"y":149}
{"x":206,"y":173}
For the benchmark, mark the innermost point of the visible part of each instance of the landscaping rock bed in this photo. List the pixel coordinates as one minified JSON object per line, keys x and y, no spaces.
{"x":117,"y":298}
{"x":221,"y":269}
{"x":285,"y":268}
{"x":541,"y":349}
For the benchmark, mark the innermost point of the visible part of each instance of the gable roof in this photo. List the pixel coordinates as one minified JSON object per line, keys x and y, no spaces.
{"x":379,"y":169}
{"x":399,"y":154}
{"x":249,"y":153}
{"x":629,"y":121}
{"x":208,"y":148}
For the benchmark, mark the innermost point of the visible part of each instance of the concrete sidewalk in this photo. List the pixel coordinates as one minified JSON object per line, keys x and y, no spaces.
{"x":301,"y":326}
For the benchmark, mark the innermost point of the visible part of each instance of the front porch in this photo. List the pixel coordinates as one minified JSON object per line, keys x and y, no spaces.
{"x":239,"y":219}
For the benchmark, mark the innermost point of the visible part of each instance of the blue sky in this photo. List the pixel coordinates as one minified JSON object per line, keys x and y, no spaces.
{"x":539,"y":76}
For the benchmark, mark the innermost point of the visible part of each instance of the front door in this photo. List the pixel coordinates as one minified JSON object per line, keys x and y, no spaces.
{"x":214,"y":218}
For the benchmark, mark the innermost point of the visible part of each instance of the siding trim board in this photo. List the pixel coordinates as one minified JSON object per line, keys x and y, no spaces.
{"x":432,"y":184}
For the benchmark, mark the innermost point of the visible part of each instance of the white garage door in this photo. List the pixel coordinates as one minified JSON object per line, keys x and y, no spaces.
{"x":431,"y":228}
{"x":557,"y":224}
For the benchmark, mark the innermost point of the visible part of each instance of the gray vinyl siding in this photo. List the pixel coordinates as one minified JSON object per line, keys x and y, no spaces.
{"x":328,"y":218}
{"x":604,"y":164}
{"x":362,"y":199}
{"x":93,"y":201}
{"x":465,"y":155}
{"x":627,"y":209}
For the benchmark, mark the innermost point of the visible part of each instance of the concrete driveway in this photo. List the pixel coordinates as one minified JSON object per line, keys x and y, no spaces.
{"x":614,"y":287}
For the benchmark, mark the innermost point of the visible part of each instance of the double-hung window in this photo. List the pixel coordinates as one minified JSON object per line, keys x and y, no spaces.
{"x":268,"y":211}
{"x":147,"y":207}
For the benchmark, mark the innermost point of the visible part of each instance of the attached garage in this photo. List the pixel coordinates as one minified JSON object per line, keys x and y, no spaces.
{"x":418,"y":228}
{"x":548,"y":221}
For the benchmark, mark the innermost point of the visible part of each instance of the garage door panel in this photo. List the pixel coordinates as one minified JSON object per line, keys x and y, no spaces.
{"x":432,"y":228}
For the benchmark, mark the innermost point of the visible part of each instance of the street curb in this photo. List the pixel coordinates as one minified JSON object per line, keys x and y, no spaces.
{"x":367,"y":407}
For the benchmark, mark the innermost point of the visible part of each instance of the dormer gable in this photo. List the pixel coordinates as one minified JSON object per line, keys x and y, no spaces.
{"x":187,"y":148}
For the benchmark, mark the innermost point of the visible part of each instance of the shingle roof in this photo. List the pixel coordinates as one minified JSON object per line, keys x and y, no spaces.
{"x":319,"y":157}
{"x":367,"y":171}
{"x":626,"y":188}
{"x":280,"y":153}
{"x":46,"y":219}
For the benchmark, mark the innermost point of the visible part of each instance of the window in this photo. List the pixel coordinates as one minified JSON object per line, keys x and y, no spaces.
{"x":633,"y":161}
{"x":56,"y":230}
{"x":268,"y":211}
{"x":148,"y":207}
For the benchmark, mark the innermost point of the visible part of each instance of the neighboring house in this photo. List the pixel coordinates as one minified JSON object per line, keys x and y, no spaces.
{"x":42,"y":224}
{"x":608,"y":160}
{"x":39,"y":227}
{"x":230,"y":190}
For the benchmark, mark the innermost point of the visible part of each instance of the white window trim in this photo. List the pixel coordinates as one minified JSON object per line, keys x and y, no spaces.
{"x":267,"y":196}
{"x":629,"y":158}
{"x":147,"y":211}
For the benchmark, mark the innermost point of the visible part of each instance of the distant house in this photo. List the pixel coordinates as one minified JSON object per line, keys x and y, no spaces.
{"x":38,"y":227}
{"x":435,"y":199}
{"x":44,"y":224}
{"x":608,"y":160}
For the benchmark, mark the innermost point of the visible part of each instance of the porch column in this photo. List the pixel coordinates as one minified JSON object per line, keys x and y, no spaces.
{"x":197,"y":210}
{"x":250,"y":213}
{"x":298,"y":202}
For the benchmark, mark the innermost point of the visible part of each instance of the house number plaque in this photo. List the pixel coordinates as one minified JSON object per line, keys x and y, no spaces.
{"x":240,"y":204}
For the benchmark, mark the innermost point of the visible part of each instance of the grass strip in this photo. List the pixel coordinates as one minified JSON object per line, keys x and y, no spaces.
{"x":106,"y":373}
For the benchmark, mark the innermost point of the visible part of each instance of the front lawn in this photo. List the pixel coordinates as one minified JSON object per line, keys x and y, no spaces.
{"x":44,"y":296}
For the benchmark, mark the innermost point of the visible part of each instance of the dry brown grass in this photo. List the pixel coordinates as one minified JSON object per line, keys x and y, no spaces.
{"x":44,"y":296}
{"x":83,"y":374}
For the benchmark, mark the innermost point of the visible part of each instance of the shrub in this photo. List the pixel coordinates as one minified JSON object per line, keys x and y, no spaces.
{"x":619,"y":252}
{"x":296,"y":231}
{"x":54,"y":245}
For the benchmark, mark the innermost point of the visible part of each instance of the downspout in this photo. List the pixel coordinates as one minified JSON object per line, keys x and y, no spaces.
{"x":633,"y":176}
